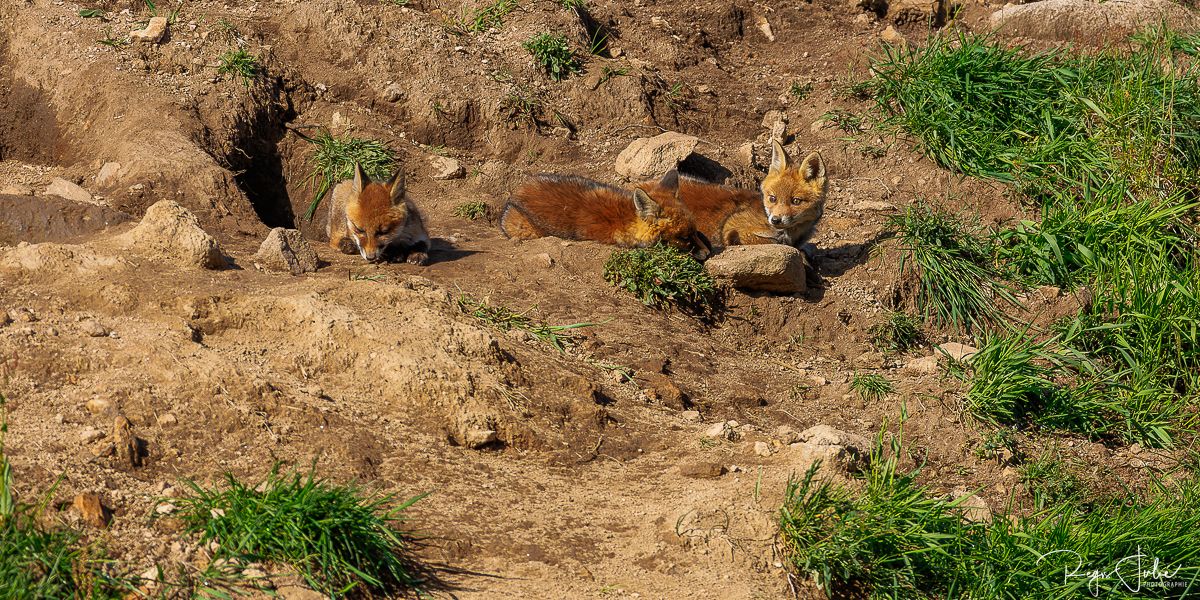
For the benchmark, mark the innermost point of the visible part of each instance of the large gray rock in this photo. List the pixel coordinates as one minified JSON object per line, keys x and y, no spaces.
{"x":1090,"y":22}
{"x":174,"y":234}
{"x":287,"y":250}
{"x":763,"y":267}
{"x":647,"y":158}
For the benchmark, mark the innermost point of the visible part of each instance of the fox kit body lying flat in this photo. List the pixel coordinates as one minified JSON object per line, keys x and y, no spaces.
{"x":376,"y":220}
{"x":575,"y":208}
{"x":786,"y":211}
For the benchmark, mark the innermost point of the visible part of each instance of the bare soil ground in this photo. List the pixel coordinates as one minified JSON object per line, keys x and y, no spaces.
{"x":596,"y":486}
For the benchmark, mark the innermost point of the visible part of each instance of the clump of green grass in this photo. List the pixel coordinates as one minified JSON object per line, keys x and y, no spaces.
{"x":334,"y":160}
{"x":473,"y":210}
{"x":871,"y":387}
{"x":661,"y":276}
{"x":957,"y":282}
{"x":36,"y":562}
{"x":846,"y":121}
{"x":800,"y":91}
{"x":239,"y":63}
{"x":504,"y":319}
{"x":485,"y":17}
{"x":1051,"y":483}
{"x":1108,"y":144}
{"x":336,"y":538}
{"x":897,"y":539}
{"x":897,"y":332}
{"x":554,"y":54}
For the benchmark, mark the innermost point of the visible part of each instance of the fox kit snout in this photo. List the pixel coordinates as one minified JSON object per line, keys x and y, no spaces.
{"x":376,"y":220}
{"x":793,"y":195}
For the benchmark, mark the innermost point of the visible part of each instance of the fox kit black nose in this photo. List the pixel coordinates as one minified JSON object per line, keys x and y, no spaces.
{"x":776,"y":220}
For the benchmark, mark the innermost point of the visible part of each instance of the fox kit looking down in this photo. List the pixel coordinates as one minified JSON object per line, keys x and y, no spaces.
{"x":376,"y":220}
{"x":575,"y":208}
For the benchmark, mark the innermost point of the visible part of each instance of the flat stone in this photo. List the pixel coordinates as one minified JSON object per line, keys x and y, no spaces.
{"x":65,"y":189}
{"x":286,"y":250}
{"x":646,"y":158}
{"x":764,"y":267}
{"x":445,"y":168}
{"x":152,"y":33}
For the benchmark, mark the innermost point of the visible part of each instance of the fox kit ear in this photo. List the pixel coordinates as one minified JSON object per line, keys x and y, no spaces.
{"x":813,"y":167}
{"x":670,"y":181}
{"x":779,"y":157}
{"x":396,"y":186}
{"x":360,"y":178}
{"x":646,"y":207}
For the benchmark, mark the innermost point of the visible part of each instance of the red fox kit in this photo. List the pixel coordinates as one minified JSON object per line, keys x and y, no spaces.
{"x":376,"y":220}
{"x":794,"y":195}
{"x":785,"y":212}
{"x":575,"y":208}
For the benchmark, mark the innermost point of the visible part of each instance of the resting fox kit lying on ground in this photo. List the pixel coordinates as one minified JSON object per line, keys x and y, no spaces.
{"x":376,"y":220}
{"x":575,"y":208}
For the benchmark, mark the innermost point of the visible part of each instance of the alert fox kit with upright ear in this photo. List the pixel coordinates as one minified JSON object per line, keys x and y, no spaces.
{"x":376,"y":220}
{"x":786,"y":211}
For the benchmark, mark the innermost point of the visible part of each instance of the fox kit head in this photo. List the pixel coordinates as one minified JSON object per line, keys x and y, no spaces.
{"x":793,"y":193}
{"x":376,"y":213}
{"x":664,"y":218}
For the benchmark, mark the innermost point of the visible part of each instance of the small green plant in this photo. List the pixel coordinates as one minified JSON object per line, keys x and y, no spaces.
{"x":522,"y":105}
{"x":239,"y":63}
{"x":800,"y":91}
{"x":995,"y":444}
{"x":554,"y":54}
{"x":1051,"y":482}
{"x":897,"y":332}
{"x":484,"y":18}
{"x":607,"y":73}
{"x":845,"y":120}
{"x":661,"y":276}
{"x":336,"y":538}
{"x":573,"y":4}
{"x":334,"y":160}
{"x":957,"y":283}
{"x":473,"y":210}
{"x":871,"y":387}
{"x":91,"y":13}
{"x":502,"y":318}
{"x":113,"y":42}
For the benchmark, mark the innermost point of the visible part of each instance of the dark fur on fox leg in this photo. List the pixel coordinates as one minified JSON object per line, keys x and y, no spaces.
{"x":413,"y":255}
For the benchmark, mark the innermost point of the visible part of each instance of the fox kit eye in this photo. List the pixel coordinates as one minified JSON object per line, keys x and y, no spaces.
{"x":772,"y":199}
{"x":796,"y":201}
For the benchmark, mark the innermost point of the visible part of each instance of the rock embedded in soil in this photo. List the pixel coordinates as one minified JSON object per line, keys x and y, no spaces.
{"x":957,"y":351}
{"x":65,"y":189}
{"x":763,"y":267}
{"x":97,"y":406}
{"x":125,"y":443}
{"x":445,"y":168}
{"x":108,"y":174}
{"x":287,"y":250}
{"x":93,"y":328}
{"x":174,"y":233}
{"x":846,"y":452}
{"x":702,"y":470}
{"x":893,"y":37}
{"x":16,"y":189}
{"x":93,"y":511}
{"x":927,"y":12}
{"x":762,"y":448}
{"x":90,"y":434}
{"x":646,"y":158}
{"x":153,"y":32}
{"x":1090,"y":22}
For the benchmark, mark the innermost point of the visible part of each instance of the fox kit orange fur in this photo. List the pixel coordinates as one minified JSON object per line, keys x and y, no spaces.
{"x":575,"y":208}
{"x":786,"y":211}
{"x":376,"y":220}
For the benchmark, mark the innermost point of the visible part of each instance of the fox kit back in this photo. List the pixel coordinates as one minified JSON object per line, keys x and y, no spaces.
{"x":581,"y":209}
{"x":793,"y":195}
{"x":376,"y":220}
